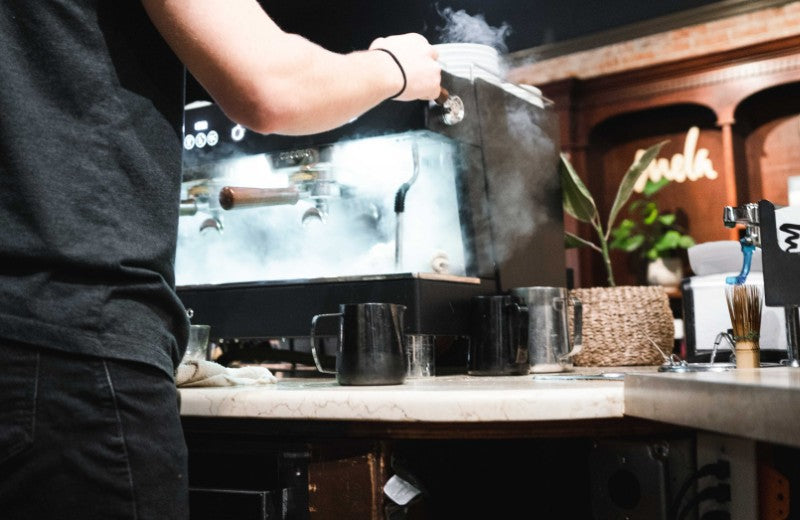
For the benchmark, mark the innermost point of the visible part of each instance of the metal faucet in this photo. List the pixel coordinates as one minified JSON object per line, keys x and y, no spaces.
{"x":746,"y":214}
{"x":728,"y":336}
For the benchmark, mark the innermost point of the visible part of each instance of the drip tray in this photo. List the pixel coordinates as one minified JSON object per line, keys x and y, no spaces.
{"x":705,"y":367}
{"x":602,"y":376}
{"x":697,"y":367}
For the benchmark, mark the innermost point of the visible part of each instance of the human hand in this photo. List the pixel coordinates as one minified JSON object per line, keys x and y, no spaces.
{"x":418,"y":60}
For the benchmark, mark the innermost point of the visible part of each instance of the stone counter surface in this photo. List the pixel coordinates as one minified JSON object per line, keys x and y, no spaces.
{"x":761,"y":404}
{"x":458,"y":398}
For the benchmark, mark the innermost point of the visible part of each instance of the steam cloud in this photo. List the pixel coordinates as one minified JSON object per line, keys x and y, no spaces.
{"x":461,"y":27}
{"x":523,"y":196}
{"x":358,"y":237}
{"x":521,"y":205}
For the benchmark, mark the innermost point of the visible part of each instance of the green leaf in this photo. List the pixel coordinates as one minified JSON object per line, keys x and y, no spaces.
{"x":628,"y":244}
{"x":618,"y":235}
{"x":651,"y":214}
{"x":572,"y":241}
{"x":667,"y":241}
{"x":686,"y":242}
{"x":624,"y":228}
{"x":633,"y":206}
{"x":651,"y":188}
{"x":577,"y":200}
{"x":667,"y":219}
{"x":627,"y":223}
{"x":629,"y":180}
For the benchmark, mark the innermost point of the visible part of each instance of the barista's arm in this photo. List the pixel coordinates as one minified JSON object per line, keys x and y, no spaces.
{"x":275,"y":82}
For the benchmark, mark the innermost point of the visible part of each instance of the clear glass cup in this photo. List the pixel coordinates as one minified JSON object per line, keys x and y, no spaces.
{"x":420,"y":356}
{"x":197,"y":348}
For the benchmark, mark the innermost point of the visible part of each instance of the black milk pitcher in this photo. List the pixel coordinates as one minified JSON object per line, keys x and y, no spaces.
{"x":370,"y":344}
{"x":498,"y":339}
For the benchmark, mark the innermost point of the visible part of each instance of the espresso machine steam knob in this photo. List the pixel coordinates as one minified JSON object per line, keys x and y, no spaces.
{"x":452,"y":107}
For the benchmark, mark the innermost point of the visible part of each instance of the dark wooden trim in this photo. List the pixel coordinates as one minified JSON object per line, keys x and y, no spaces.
{"x":705,"y":69}
{"x":310,"y":430}
{"x":698,"y":15}
{"x":718,"y":81}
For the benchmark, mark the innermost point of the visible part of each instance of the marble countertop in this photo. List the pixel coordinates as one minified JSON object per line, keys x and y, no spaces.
{"x":761,"y":404}
{"x":459,"y":398}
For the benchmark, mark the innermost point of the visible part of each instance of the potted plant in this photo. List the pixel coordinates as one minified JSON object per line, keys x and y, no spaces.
{"x":655,"y":235}
{"x":622,"y":325}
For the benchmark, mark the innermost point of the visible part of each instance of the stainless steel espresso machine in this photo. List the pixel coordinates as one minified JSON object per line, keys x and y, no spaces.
{"x":776,"y":230}
{"x":402,"y":205}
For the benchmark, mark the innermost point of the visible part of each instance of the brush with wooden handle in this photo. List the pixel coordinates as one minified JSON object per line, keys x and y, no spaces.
{"x":744,"y":307}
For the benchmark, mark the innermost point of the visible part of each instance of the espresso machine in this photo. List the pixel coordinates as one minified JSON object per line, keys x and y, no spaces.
{"x":424,"y":204}
{"x":776,"y":231}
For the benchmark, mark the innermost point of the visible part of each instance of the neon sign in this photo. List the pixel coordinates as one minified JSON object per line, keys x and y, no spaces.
{"x":692,"y":164}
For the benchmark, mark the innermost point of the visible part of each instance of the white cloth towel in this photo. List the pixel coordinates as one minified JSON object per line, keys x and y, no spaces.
{"x":198,"y":373}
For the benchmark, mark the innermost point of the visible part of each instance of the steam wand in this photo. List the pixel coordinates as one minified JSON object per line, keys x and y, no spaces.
{"x":747,"y":215}
{"x":748,"y":247}
{"x":400,"y":207}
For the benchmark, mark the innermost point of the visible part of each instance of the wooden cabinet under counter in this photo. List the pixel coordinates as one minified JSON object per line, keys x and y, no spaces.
{"x":463,"y":440}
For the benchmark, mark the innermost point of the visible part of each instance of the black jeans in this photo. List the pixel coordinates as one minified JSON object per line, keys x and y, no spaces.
{"x":88,"y":438}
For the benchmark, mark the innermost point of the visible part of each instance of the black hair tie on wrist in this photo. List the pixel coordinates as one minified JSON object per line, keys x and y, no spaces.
{"x":402,"y":71}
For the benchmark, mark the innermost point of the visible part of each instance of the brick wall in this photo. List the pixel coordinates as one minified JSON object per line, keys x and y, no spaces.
{"x":720,"y":35}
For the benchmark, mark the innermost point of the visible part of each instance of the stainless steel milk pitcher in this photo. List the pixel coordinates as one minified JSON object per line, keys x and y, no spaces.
{"x":549,"y":345}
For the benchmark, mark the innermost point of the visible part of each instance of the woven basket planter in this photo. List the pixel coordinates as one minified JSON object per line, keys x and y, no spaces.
{"x":617,"y":322}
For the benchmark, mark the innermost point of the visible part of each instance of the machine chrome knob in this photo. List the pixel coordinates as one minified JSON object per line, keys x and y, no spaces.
{"x":452,"y":107}
{"x":453,"y":110}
